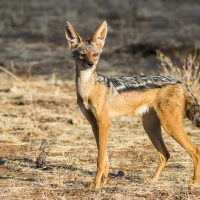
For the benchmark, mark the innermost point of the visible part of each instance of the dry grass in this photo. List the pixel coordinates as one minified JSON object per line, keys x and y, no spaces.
{"x":188,"y":73}
{"x":47,"y":149}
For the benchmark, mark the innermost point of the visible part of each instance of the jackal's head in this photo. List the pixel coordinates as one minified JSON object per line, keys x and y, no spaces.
{"x":86,"y":53}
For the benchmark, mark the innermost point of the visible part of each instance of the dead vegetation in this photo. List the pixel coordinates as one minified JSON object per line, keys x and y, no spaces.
{"x":188,"y":73}
{"x":48,"y":151}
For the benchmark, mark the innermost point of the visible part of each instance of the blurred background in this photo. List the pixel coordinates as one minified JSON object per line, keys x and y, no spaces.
{"x":32,"y":39}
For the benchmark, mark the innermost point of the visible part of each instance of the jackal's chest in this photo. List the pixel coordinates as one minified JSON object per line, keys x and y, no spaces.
{"x":83,"y":91}
{"x":84,"y":86}
{"x":84,"y":103}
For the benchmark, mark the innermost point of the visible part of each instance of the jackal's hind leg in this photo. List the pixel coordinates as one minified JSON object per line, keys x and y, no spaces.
{"x":151,"y":124}
{"x":177,"y":131}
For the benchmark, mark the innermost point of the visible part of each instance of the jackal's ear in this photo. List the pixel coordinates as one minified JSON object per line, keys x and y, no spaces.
{"x":100,"y":35}
{"x":72,"y":36}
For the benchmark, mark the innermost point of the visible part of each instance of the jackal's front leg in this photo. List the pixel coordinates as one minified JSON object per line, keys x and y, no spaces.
{"x":101,"y":135}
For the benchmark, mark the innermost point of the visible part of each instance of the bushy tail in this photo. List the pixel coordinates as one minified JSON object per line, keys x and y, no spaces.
{"x":192,"y":109}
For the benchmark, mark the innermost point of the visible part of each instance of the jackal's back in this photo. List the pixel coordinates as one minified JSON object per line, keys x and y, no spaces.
{"x":137,"y":82}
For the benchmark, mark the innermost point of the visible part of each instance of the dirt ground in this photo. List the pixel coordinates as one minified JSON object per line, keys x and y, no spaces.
{"x":47,"y":149}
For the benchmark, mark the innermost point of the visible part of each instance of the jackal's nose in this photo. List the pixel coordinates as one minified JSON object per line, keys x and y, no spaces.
{"x":90,"y":64}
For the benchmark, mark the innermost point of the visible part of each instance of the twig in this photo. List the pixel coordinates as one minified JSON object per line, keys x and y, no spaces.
{"x":10,"y":74}
{"x":32,"y":105}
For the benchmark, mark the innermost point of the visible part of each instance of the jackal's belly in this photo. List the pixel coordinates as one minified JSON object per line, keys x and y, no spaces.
{"x":129,"y":110}
{"x":135,"y":103}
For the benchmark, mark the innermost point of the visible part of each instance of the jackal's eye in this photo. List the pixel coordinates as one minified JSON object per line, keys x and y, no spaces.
{"x":95,"y":54}
{"x":81,"y":54}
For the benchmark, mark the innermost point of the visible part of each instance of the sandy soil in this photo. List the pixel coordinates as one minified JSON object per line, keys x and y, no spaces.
{"x":48,"y":151}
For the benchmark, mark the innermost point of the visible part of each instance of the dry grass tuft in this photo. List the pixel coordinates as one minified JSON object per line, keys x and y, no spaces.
{"x":43,"y":153}
{"x":47,"y":149}
{"x":188,"y":73}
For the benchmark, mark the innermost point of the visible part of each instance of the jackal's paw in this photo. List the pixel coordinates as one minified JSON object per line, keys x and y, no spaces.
{"x":103,"y":181}
{"x":91,"y":186}
{"x":150,"y":180}
{"x":97,"y":185}
{"x":192,"y":185}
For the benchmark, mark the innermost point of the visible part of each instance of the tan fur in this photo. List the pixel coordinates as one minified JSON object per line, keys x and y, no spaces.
{"x":165,"y":105}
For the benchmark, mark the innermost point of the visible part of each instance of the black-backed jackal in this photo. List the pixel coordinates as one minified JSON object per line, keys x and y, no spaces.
{"x":160,"y":101}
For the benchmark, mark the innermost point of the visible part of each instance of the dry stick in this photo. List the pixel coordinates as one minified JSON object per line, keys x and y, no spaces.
{"x":10,"y":74}
{"x":33,"y":108}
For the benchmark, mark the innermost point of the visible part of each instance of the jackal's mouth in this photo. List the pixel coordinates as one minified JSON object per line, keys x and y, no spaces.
{"x":87,"y":66}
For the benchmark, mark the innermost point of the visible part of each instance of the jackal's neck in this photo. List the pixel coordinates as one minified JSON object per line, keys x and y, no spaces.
{"x":85,"y":81}
{"x":87,"y":75}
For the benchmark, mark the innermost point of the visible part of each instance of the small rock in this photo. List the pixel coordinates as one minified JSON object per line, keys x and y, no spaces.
{"x":121,"y":173}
